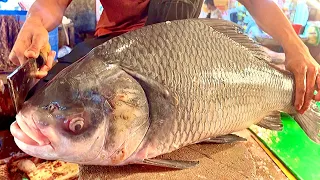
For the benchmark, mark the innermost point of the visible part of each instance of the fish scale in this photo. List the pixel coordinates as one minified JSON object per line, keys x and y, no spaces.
{"x":192,"y":61}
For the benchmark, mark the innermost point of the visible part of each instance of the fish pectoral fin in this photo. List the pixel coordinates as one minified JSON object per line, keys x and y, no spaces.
{"x":229,"y":138}
{"x":272,"y":122}
{"x":148,"y":82}
{"x":175,"y":164}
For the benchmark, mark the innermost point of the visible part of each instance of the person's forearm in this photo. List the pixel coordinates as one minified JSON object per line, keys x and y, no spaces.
{"x":48,"y":12}
{"x":272,"y":20}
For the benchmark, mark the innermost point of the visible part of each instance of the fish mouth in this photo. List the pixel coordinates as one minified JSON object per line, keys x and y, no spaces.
{"x":28,"y":133}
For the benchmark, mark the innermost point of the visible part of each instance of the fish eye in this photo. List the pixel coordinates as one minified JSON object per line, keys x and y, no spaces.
{"x":76,"y":124}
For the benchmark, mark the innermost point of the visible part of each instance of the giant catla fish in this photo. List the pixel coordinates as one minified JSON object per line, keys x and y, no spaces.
{"x":156,"y":89}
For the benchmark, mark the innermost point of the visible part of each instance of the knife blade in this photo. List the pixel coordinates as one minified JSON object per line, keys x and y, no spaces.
{"x":24,"y":78}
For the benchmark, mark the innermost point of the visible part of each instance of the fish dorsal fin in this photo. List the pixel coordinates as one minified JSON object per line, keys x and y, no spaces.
{"x":235,"y":33}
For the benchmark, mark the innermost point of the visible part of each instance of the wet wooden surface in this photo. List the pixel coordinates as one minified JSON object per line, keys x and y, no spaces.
{"x":242,"y":160}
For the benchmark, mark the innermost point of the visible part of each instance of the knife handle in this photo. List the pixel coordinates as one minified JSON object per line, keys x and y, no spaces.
{"x":42,"y":58}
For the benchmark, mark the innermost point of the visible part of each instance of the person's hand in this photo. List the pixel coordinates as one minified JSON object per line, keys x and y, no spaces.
{"x":33,"y":38}
{"x":306,"y":73}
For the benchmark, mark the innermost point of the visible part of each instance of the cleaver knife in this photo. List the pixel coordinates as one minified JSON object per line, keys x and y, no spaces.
{"x":23,"y":78}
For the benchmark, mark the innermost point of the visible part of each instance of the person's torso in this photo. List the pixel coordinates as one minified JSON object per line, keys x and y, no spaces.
{"x":120,"y":16}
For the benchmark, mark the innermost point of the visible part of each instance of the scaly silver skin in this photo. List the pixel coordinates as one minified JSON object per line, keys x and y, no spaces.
{"x":218,"y":86}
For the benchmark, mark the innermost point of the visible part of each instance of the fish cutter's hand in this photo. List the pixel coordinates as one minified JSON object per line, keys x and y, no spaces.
{"x":32,"y":39}
{"x":306,"y":73}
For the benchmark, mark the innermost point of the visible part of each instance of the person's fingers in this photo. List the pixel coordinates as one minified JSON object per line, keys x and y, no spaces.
{"x":38,"y":41}
{"x":310,"y":87}
{"x":45,"y":68}
{"x":49,"y":61}
{"x":29,"y":42}
{"x":14,"y":58}
{"x":41,"y":74}
{"x":300,"y":83}
{"x":16,"y":55}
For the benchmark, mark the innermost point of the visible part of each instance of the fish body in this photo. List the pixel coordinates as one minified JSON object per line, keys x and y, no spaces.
{"x":154,"y":90}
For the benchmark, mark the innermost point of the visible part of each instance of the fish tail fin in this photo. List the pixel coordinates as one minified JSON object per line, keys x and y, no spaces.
{"x":310,"y":122}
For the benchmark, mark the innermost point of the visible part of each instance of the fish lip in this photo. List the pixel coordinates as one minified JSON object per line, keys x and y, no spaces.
{"x":27,"y":148}
{"x":17,"y":133}
{"x":26,"y":142}
{"x":32,"y":131}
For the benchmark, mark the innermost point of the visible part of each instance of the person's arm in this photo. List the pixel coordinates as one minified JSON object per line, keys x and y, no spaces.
{"x":43,"y":16}
{"x":48,"y":12}
{"x":272,"y":20}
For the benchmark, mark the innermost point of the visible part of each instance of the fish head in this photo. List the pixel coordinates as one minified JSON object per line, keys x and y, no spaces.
{"x":62,"y":121}
{"x":84,"y":120}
